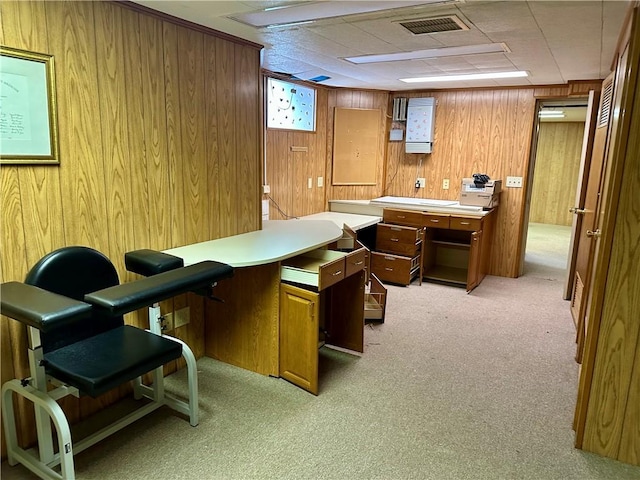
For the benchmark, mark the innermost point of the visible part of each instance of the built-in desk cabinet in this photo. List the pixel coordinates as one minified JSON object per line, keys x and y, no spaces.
{"x":322,"y":298}
{"x":456,"y":247}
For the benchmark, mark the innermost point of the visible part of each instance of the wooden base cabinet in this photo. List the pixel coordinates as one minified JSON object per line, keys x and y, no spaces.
{"x":453,"y":257}
{"x":456,"y":247}
{"x":326,"y":310}
{"x":299,"y":327}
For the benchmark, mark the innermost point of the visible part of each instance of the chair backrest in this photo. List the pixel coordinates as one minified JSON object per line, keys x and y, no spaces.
{"x":74,"y":272}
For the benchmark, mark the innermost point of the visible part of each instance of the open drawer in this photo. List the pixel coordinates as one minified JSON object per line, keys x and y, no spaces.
{"x":317,"y":268}
{"x":375,"y":300}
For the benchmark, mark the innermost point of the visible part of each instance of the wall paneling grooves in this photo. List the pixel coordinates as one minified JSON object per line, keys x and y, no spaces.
{"x":288,"y":169}
{"x":476,"y":131}
{"x":160,"y":131}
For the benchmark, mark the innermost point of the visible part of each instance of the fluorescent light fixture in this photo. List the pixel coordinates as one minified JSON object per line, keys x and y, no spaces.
{"x":432,"y":53}
{"x":291,"y":24}
{"x":461,"y":78}
{"x":551,"y":114}
{"x":304,"y":11}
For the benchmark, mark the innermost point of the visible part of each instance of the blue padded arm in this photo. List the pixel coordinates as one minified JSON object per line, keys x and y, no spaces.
{"x":40,"y":308}
{"x":121,"y":299}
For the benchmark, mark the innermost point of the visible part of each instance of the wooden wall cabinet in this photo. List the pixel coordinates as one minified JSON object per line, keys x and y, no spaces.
{"x":321,"y":303}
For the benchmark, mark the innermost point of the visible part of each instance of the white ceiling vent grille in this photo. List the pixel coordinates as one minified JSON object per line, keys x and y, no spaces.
{"x":450,"y":23}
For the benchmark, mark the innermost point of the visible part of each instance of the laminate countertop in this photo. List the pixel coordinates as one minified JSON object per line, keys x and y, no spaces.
{"x":278,"y":240}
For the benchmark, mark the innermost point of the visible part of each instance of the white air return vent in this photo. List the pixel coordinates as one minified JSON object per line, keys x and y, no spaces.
{"x":449,"y":23}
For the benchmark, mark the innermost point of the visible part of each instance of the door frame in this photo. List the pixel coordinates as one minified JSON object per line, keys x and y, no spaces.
{"x":540,"y":102}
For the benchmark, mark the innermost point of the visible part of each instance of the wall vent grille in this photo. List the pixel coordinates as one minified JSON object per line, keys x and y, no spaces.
{"x":605,"y":104}
{"x":450,"y":23}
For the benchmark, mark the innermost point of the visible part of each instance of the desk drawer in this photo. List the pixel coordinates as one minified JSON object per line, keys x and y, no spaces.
{"x":403,"y":217}
{"x":394,"y":268}
{"x":355,"y":260}
{"x":318,"y":268}
{"x":436,"y":221}
{"x":398,"y":239}
{"x":465,"y":223}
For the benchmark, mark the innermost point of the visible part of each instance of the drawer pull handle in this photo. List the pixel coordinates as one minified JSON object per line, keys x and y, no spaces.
{"x":435,"y":221}
{"x":389,"y":258}
{"x":395,"y":229}
{"x":465,"y":223}
{"x":394,"y":239}
{"x":359,"y":263}
{"x":401,"y":216}
{"x":388,"y":269}
{"x":337,"y":273}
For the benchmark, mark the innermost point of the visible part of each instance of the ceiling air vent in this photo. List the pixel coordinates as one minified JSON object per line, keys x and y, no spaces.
{"x":450,"y":23}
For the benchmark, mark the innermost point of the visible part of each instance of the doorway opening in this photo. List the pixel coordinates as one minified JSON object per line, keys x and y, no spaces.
{"x":558,"y":142}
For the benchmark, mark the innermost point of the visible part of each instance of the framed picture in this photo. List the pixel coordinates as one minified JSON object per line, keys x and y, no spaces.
{"x":28,"y":123}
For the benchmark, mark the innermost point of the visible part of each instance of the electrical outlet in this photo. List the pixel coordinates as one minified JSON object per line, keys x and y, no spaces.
{"x":514,"y":182}
{"x":445,"y":184}
{"x":266,"y":189}
{"x":181,"y":317}
{"x":320,"y":182}
{"x":166,"y":322}
{"x":421,"y":182}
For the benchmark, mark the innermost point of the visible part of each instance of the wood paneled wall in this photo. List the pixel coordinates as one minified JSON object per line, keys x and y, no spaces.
{"x":159,"y":147}
{"x":288,"y":171}
{"x":555,"y":177}
{"x":476,"y":131}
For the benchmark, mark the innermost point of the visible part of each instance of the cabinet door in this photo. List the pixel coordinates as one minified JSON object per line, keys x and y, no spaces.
{"x":299,"y":327}
{"x":345,"y":313}
{"x":473,"y":273}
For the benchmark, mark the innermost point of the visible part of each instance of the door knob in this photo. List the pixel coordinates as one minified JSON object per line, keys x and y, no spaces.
{"x":578,"y":211}
{"x":593,"y":233}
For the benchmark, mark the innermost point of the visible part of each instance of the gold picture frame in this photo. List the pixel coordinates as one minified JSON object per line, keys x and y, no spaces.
{"x":28,"y":111}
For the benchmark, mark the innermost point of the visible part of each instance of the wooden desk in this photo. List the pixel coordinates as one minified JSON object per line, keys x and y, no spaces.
{"x":246,"y":330}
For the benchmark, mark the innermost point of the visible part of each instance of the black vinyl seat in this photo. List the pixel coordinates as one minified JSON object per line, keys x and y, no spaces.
{"x":98,"y":353}
{"x":73,"y":305}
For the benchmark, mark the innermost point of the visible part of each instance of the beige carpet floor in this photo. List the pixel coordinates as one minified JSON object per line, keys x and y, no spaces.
{"x":451,"y":386}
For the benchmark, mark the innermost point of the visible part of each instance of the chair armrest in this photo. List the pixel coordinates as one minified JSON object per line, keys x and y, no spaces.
{"x":151,"y":262}
{"x":40,"y":308}
{"x":125,"y":298}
